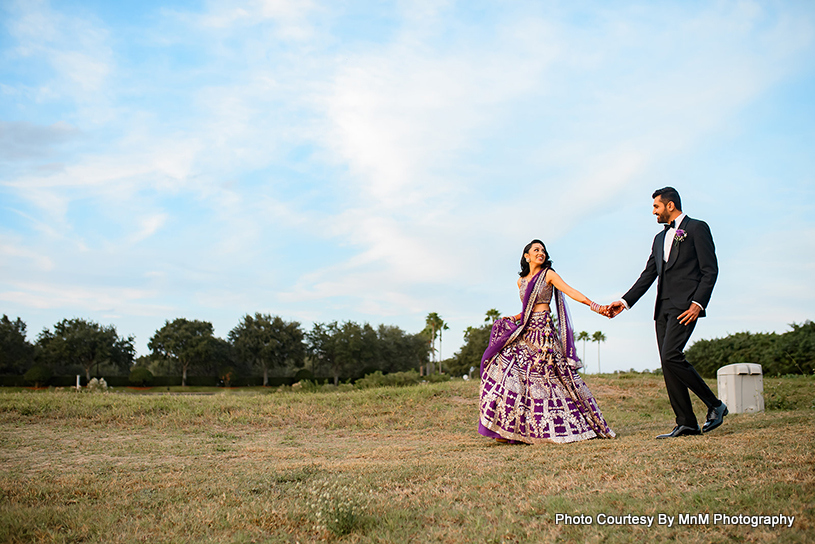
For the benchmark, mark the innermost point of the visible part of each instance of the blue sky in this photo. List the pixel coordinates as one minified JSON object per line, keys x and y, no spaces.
{"x":377,"y":161}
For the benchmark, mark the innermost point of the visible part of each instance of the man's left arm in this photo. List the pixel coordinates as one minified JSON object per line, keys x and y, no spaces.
{"x":709,"y":267}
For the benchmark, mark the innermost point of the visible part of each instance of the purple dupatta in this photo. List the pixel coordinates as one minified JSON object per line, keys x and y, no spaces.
{"x":504,"y":331}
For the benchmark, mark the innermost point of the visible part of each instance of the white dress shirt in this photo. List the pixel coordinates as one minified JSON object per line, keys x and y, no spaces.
{"x":669,"y":237}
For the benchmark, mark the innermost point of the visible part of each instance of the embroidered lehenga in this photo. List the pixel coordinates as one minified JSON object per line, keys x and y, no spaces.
{"x":530,"y":389}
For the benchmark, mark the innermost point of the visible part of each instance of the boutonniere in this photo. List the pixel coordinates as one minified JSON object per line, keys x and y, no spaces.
{"x":680,"y":235}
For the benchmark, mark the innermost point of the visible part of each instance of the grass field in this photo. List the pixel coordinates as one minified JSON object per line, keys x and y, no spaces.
{"x":390,"y":465}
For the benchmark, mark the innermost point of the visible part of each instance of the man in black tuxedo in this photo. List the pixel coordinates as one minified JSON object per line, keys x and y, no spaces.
{"x":683,"y":261}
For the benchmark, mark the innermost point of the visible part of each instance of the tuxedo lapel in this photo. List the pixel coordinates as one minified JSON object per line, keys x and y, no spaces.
{"x":675,"y":247}
{"x":659,"y":252}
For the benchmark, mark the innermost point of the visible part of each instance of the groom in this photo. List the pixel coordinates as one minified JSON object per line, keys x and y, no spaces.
{"x":683,"y":261}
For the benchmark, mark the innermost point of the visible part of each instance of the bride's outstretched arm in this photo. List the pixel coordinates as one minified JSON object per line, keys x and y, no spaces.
{"x":555,"y":279}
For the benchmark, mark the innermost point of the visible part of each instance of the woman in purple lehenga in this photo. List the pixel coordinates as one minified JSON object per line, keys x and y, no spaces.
{"x":530,"y":389}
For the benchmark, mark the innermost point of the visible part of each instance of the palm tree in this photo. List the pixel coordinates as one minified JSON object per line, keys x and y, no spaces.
{"x":598,"y":337}
{"x":584,"y":336}
{"x":434,"y":325}
{"x":443,"y":327}
{"x":492,"y":316}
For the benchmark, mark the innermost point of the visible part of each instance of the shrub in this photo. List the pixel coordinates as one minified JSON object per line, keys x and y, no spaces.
{"x":377,"y":379}
{"x":140,"y":377}
{"x":94,"y":386}
{"x":792,"y":352}
{"x":38,"y":375}
{"x":306,"y":385}
{"x":338,"y":507}
{"x":436,"y":378}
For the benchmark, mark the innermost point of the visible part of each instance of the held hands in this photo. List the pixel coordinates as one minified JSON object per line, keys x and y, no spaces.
{"x":615,"y":308}
{"x":602,"y":310}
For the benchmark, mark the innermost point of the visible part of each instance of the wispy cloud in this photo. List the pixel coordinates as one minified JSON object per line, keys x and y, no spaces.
{"x":76,"y":50}
{"x":39,"y":261}
{"x":76,"y":299}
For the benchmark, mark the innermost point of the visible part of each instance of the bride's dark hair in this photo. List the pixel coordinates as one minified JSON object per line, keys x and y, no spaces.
{"x":525,"y":265}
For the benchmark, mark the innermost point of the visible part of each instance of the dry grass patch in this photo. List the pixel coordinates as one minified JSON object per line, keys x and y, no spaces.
{"x":390,"y":465}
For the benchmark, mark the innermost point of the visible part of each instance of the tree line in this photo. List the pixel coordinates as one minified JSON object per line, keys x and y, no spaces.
{"x":260,"y":344}
{"x":791,"y":352}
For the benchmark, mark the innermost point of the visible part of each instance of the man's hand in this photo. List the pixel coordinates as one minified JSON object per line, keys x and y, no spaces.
{"x":615,"y":308}
{"x":690,"y":315}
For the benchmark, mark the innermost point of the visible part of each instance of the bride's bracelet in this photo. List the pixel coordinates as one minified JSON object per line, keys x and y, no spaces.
{"x":594,"y":307}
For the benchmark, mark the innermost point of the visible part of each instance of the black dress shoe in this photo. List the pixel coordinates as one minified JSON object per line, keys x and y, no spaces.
{"x":715,"y":416}
{"x":681,"y":430}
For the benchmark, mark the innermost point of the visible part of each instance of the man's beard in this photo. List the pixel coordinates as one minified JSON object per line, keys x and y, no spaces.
{"x":664,"y":217}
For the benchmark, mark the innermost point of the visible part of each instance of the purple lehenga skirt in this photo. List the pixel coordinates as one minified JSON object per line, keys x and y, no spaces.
{"x":530,"y":394}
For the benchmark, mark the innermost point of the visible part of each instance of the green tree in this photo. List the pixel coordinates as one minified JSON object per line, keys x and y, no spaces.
{"x":469,"y":356}
{"x":399,"y":351}
{"x":16,"y":353}
{"x":792,"y":352}
{"x":321,"y":347}
{"x":81,"y":343}
{"x":598,"y":337}
{"x":795,"y":350}
{"x":492,"y":316}
{"x":433,"y":325}
{"x":140,"y":376}
{"x":356,"y":349}
{"x":476,"y":340}
{"x":348,"y":350}
{"x":158,"y":366}
{"x":187,"y":342}
{"x":269,"y":342}
{"x":432,"y":322}
{"x":583,"y":336}
{"x":442,"y":327}
{"x":38,"y":375}
{"x":222,"y":354}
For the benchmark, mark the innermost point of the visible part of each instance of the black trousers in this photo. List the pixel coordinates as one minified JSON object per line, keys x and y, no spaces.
{"x":679,"y":374}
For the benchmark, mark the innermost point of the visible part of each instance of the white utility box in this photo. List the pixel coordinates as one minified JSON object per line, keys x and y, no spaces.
{"x":741,"y":387}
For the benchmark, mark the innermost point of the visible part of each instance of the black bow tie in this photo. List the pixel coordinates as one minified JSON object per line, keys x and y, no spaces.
{"x":671,"y":225}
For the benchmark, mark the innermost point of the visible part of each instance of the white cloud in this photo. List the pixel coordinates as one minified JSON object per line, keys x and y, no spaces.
{"x":73,"y":298}
{"x":40,"y":262}
{"x":400,"y":119}
{"x":149,"y":226}
{"x":404,"y":118}
{"x":77,"y":50}
{"x":290,"y":17}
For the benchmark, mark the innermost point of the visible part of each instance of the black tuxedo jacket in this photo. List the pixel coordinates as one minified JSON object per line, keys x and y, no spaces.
{"x":688,"y":276}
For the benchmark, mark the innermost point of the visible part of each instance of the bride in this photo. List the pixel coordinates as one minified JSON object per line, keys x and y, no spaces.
{"x":530,"y":389}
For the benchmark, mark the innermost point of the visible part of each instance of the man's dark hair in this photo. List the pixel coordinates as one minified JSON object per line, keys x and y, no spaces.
{"x":668,"y":194}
